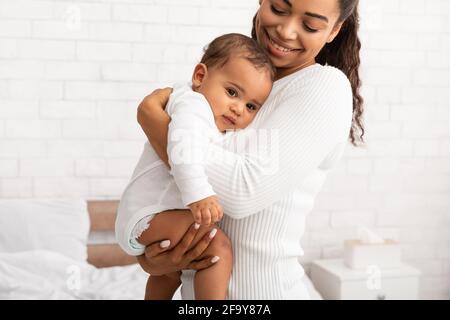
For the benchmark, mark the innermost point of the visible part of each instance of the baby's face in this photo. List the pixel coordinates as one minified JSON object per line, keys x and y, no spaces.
{"x":235,"y":92}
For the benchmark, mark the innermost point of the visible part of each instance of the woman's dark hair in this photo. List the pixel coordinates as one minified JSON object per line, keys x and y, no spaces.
{"x":221,"y":49}
{"x":343,"y":53}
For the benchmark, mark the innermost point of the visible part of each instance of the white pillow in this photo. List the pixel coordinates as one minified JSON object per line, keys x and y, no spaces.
{"x":60,"y":225}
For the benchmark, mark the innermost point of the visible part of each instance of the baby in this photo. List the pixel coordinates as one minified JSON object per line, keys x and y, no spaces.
{"x":229,"y":86}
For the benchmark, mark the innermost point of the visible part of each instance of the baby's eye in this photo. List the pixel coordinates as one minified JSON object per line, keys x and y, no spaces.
{"x":232,"y":92}
{"x":251,"y":107}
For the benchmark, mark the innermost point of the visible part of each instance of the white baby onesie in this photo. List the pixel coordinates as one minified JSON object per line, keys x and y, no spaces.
{"x":153,"y":187}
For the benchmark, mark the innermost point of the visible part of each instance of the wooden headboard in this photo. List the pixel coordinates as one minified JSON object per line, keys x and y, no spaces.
{"x":102,"y":214}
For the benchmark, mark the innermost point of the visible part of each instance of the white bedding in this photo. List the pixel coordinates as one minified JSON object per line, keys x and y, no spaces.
{"x":43,"y":274}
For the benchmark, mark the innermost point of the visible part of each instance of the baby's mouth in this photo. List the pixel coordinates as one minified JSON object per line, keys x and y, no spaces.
{"x":229,"y":120}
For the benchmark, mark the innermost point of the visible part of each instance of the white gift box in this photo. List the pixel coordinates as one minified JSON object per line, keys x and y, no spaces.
{"x":359,"y":255}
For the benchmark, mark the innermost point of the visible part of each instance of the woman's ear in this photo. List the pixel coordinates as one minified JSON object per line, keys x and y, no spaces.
{"x":334,"y":33}
{"x":200,"y":72}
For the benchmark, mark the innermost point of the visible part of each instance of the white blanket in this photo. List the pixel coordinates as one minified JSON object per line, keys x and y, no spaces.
{"x":45,"y":275}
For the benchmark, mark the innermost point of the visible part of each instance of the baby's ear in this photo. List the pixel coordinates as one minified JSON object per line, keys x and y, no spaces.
{"x":200,"y":72}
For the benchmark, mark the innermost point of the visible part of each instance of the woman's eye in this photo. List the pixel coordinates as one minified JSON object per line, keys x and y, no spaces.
{"x":232,"y":93}
{"x":275,"y":10}
{"x":309,"y":29}
{"x":251,"y":107}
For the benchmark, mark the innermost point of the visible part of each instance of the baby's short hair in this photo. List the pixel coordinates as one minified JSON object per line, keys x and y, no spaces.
{"x":219,"y":51}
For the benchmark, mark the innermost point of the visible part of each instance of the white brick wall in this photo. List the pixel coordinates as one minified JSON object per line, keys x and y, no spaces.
{"x":73,"y":72}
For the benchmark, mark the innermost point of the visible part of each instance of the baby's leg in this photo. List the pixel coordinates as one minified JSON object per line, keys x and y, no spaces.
{"x":212,"y":283}
{"x":162,"y":287}
{"x":172,"y":225}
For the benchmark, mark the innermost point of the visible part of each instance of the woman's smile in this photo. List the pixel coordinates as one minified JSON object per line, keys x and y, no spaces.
{"x":278,"y":49}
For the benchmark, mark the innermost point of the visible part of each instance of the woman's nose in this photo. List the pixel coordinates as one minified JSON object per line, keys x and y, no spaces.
{"x":287,"y":31}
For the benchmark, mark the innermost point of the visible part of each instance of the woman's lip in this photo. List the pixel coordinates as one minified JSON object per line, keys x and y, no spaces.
{"x":278,"y":42}
{"x":276,"y":51}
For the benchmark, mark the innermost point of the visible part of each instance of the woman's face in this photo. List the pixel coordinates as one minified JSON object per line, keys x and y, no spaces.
{"x":294,"y":31}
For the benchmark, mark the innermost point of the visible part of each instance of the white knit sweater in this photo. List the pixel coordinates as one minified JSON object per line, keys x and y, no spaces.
{"x":308,"y":115}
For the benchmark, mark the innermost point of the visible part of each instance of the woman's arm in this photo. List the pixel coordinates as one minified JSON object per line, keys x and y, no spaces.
{"x":311,"y":121}
{"x":155,"y":121}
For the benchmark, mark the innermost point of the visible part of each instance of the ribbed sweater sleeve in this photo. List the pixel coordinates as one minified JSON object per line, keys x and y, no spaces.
{"x":312,"y":116}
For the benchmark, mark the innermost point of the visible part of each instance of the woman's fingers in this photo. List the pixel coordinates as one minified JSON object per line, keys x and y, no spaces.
{"x":201,"y":246}
{"x":186,"y":241}
{"x":162,"y":95}
{"x":154,"y":249}
{"x":203,"y":264}
{"x":165,"y":94}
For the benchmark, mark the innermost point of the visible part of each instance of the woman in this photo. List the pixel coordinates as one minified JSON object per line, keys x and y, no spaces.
{"x":314,"y":108}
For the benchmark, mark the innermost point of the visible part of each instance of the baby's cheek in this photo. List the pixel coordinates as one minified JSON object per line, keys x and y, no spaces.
{"x":248,"y":119}
{"x":219,"y":125}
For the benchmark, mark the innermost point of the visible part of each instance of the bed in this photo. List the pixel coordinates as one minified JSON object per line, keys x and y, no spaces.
{"x":45,"y":265}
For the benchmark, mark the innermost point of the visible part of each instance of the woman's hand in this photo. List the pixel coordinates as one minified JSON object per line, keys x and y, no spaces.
{"x":158,"y":261}
{"x":159,"y":97}
{"x":155,"y":121}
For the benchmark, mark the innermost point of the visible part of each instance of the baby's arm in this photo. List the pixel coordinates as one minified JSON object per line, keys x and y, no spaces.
{"x":187,"y":141}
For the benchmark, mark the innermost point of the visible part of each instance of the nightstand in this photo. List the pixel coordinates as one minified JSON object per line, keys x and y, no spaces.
{"x":335,"y":281}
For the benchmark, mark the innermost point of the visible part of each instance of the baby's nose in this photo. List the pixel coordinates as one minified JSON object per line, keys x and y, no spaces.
{"x":237,"y":109}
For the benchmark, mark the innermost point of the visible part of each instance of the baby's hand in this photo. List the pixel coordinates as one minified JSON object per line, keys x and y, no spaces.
{"x":207,"y":211}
